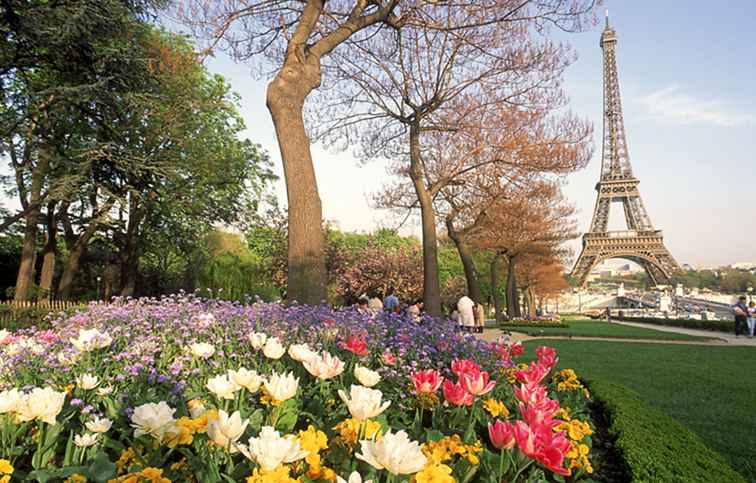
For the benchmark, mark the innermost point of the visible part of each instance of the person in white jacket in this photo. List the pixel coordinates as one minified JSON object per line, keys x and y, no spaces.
{"x":465,"y":307}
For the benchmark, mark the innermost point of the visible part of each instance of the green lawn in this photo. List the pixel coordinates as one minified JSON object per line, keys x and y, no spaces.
{"x":600,"y":328}
{"x":711,"y":390}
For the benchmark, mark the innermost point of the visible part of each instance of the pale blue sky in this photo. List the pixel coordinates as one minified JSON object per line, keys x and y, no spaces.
{"x":687,"y":75}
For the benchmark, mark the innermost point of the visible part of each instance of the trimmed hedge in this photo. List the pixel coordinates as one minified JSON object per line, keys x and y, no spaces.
{"x":654,"y":446}
{"x":714,"y":325}
{"x":535,"y":324}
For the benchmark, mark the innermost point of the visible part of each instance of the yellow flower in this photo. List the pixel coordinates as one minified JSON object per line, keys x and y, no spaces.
{"x":182,"y":433}
{"x":496,"y":408}
{"x":313,"y":441}
{"x":563,"y":414}
{"x":6,"y":467}
{"x":125,"y":460}
{"x":147,"y":475}
{"x":278,"y":475}
{"x":349,"y":430}
{"x":76,"y":478}
{"x":435,"y":473}
{"x":446,"y":448}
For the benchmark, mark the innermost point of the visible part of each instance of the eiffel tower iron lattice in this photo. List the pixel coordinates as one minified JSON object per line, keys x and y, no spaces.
{"x":640,"y":243}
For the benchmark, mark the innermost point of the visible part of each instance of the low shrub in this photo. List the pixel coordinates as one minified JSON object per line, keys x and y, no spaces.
{"x":13,"y":318}
{"x":654,"y":446}
{"x":714,"y":325}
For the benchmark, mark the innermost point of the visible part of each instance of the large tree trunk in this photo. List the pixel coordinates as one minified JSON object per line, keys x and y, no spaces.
{"x":530,"y":302}
{"x":513,"y":297}
{"x":471,"y":277}
{"x":50,"y":254}
{"x":285,"y":100}
{"x":495,"y":288}
{"x":71,"y":266}
{"x":130,"y":254}
{"x":25,"y":277}
{"x":431,"y":284}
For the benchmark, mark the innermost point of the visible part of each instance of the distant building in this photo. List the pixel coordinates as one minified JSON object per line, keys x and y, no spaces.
{"x":744,"y":266}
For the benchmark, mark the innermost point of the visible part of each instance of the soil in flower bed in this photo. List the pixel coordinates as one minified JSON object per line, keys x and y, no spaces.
{"x":609,"y":465}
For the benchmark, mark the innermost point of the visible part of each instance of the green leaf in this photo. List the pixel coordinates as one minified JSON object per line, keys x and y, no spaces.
{"x":433,"y":435}
{"x":102,"y":469}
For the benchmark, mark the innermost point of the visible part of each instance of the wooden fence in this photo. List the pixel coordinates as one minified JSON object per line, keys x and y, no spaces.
{"x":13,"y":310}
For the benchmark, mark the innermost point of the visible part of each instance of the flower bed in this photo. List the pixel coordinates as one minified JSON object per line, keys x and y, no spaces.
{"x":183,"y":389}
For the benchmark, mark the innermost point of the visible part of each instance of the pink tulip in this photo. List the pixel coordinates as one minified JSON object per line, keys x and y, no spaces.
{"x":532,"y":394}
{"x":427,"y":382}
{"x":533,"y":375}
{"x":462,"y":366}
{"x":456,"y":394}
{"x":388,"y":358}
{"x":502,"y":434}
{"x":517,"y":349}
{"x":525,"y":439}
{"x":356,"y":345}
{"x":537,"y":415}
{"x":477,"y":383}
{"x":552,"y":456}
{"x":547,"y":356}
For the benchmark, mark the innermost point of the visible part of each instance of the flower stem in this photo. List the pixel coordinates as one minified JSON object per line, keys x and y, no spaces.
{"x":517,"y":475}
{"x":501,"y":465}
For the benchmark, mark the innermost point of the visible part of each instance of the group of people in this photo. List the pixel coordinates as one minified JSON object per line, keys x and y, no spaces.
{"x":469,"y":315}
{"x":390,"y":303}
{"x":745,"y":317}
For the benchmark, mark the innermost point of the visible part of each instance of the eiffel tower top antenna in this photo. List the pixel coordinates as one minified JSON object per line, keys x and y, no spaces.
{"x":607,"y":17}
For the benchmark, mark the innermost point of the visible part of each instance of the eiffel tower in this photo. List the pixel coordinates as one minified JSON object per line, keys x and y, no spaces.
{"x":640,"y":243}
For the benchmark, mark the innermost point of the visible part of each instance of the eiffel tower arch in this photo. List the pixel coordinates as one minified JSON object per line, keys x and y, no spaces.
{"x":641,"y":242}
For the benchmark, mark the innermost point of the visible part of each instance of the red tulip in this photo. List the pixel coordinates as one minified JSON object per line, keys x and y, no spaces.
{"x":462,"y":366}
{"x":476,"y":382}
{"x":547,"y":356}
{"x":456,"y":394}
{"x":552,"y":456}
{"x":427,"y":382}
{"x":517,"y":349}
{"x":502,"y":434}
{"x":537,"y":415}
{"x":355,"y":344}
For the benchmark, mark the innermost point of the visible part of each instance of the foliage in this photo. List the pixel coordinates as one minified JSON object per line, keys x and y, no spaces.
{"x":713,"y":325}
{"x":654,"y":446}
{"x":125,"y":361}
{"x":687,"y":382}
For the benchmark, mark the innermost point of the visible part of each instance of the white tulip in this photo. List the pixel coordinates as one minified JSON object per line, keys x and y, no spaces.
{"x":353,"y":478}
{"x":394,"y":453}
{"x":222,"y":387}
{"x":99,"y":425}
{"x":104,"y":391}
{"x":257,"y":339}
{"x":364,"y":403}
{"x":153,"y":419}
{"x":91,"y":339}
{"x":10,"y":400}
{"x":270,"y":450}
{"x":202,"y":349}
{"x":196,"y":408}
{"x":366,"y":377}
{"x":68,"y":359}
{"x":301,"y":352}
{"x":273,"y":348}
{"x":245,"y":378}
{"x":87,"y":381}
{"x":225,"y":430}
{"x":85,"y":440}
{"x":281,"y":386}
{"x":41,"y":404}
{"x":324,"y":366}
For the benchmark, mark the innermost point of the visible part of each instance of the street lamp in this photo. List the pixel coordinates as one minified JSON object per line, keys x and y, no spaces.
{"x":750,"y":293}
{"x":98,"y":287}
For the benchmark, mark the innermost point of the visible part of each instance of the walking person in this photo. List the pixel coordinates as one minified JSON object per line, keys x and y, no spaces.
{"x":751,"y":317}
{"x":374,"y":303}
{"x":740,"y":310}
{"x":465,"y":307}
{"x":480,"y":318}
